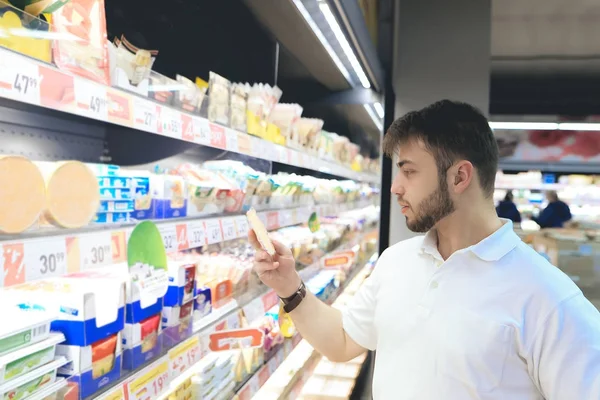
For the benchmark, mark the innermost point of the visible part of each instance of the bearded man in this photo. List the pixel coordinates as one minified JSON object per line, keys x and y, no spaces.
{"x":467,"y":311}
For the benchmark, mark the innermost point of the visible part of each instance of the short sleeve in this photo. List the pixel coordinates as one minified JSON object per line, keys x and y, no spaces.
{"x":359,"y":315}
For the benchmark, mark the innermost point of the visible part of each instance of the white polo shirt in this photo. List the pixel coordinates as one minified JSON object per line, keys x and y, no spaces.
{"x":494,"y":321}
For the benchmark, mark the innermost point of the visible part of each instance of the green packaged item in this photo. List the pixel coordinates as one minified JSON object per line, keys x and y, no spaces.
{"x":20,"y":362}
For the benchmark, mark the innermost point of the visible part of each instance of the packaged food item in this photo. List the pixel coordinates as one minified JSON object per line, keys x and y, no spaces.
{"x":31,"y":382}
{"x":261,"y":232}
{"x":177,"y":323}
{"x":24,"y":196}
{"x":30,"y":44}
{"x":239,"y":100}
{"x":169,"y":196}
{"x":38,"y":7}
{"x":202,"y":305}
{"x":285,"y":117}
{"x":88,"y":55}
{"x":162,"y":88}
{"x":22,"y":361}
{"x":218,"y":92}
{"x":309,"y":131}
{"x":141,"y":342}
{"x":189,"y":97}
{"x":132,"y":66}
{"x":182,"y":280}
{"x":30,"y":324}
{"x":72,"y":193}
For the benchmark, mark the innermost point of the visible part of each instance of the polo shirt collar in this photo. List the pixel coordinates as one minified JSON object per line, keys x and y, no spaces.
{"x":492,"y":248}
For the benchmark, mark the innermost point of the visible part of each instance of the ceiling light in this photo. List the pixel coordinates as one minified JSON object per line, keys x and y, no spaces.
{"x":379,"y":108}
{"x":535,"y":126}
{"x":341,"y":37}
{"x":313,"y":25}
{"x":579,"y":126}
{"x":373,"y":115}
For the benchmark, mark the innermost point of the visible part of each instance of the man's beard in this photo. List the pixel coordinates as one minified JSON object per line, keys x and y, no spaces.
{"x":434,"y":208}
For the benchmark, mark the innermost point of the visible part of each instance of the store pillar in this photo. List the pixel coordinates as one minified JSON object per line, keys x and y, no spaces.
{"x":441,"y":51}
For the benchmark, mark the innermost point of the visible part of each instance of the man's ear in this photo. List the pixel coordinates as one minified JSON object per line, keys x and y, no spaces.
{"x":463,"y":173}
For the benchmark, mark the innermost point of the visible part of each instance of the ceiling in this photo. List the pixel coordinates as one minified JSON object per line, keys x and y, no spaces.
{"x":545,"y":57}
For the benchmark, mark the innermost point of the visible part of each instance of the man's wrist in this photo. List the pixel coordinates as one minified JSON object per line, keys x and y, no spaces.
{"x":292,"y":289}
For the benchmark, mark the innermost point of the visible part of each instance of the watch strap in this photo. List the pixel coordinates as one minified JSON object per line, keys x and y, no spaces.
{"x":290,"y":303}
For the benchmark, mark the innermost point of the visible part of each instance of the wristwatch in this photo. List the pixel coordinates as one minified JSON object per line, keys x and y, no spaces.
{"x":290,"y":303}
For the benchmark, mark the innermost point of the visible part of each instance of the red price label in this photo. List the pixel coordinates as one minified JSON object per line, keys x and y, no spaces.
{"x":218,"y":138}
{"x":272,"y":220}
{"x":263,"y":376}
{"x":182,"y":237}
{"x":187,"y":127}
{"x":270,"y":300}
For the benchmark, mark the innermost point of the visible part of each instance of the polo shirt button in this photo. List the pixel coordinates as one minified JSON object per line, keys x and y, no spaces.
{"x":434,"y":285}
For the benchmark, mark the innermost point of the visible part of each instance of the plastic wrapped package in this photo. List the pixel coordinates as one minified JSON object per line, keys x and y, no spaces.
{"x":88,"y":55}
{"x":131,"y":66}
{"x":239,"y":102}
{"x":162,"y":88}
{"x":309,"y":131}
{"x":218,"y":92}
{"x":285,"y":117}
{"x":14,"y":19}
{"x":189,"y":96}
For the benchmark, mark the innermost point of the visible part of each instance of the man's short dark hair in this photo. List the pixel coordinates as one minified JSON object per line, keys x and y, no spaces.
{"x":451,"y":131}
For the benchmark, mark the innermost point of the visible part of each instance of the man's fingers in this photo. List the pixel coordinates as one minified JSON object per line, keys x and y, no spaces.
{"x":262,"y":255}
{"x":262,"y":267}
{"x":280,"y":248}
{"x":254,"y":240}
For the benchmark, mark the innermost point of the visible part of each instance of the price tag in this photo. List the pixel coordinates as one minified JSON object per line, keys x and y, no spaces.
{"x":254,"y":385}
{"x":182,"y":237}
{"x":187,"y":128}
{"x":295,"y":217}
{"x":95,"y":250}
{"x":295,"y":158}
{"x":245,"y":393}
{"x":282,"y":155}
{"x":228,"y":226}
{"x":45,"y":258}
{"x":284,"y":218}
{"x":244,"y":144}
{"x":231,"y":140}
{"x":218,"y":138}
{"x":169,"y":236}
{"x":202,"y":131}
{"x":19,"y":79}
{"x":272,"y":220}
{"x":170,"y":123}
{"x":91,"y":99}
{"x":213,"y":231}
{"x":184,"y":356}
{"x":254,"y":310}
{"x":150,"y":383}
{"x":241,"y":224}
{"x":196,"y":234}
{"x":263,"y":375}
{"x":145,"y":115}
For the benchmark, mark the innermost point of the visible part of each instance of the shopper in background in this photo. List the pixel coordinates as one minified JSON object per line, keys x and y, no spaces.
{"x":555,"y":214}
{"x":467,"y":311}
{"x":508,"y":209}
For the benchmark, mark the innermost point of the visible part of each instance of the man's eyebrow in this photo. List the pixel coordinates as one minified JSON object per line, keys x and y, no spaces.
{"x":402,"y":163}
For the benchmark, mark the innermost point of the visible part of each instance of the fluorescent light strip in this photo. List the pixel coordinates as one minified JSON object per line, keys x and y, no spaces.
{"x":322,"y":39}
{"x":546,"y":126}
{"x":379,"y":108}
{"x":538,"y":126}
{"x":341,"y":37}
{"x":373,"y":116}
{"x":579,"y":126}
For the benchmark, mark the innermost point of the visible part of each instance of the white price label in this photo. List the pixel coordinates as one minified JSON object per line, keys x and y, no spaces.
{"x":91,"y":99}
{"x":184,"y":356}
{"x":19,"y":79}
{"x":241,"y":224}
{"x":170,"y":123}
{"x":145,"y":115}
{"x":213,"y":231}
{"x":45,"y":258}
{"x":169,"y":236}
{"x":196,"y":234}
{"x":95,"y":250}
{"x":295,"y":158}
{"x":229,"y":231}
{"x":231,"y":140}
{"x":254,"y":310}
{"x":202,"y":131}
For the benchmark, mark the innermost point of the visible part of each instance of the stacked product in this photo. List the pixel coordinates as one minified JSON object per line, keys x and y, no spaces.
{"x":90,"y":313}
{"x":28,"y":357}
{"x":332,"y":381}
{"x":216,"y":378}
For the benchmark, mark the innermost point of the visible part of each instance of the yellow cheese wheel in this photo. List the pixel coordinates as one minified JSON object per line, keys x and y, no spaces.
{"x":72,"y":193}
{"x":22,"y":194}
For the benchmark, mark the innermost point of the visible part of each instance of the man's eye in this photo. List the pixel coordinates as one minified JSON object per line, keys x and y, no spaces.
{"x":408,"y":172}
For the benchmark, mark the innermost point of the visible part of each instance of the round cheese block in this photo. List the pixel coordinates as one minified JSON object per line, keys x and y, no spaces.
{"x":22,"y":194}
{"x":72,"y":193}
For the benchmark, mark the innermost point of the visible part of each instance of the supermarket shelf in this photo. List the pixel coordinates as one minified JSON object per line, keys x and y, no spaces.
{"x":93,"y":247}
{"x":48,"y":391}
{"x":159,"y":377}
{"x":146,"y":115}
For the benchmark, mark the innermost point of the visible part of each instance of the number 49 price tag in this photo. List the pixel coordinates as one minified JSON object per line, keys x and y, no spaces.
{"x":91,"y":99}
{"x":95,"y":250}
{"x":45,"y":258}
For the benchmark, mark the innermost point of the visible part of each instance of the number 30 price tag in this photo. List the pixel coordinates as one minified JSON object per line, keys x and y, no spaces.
{"x":95,"y":250}
{"x":45,"y":258}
